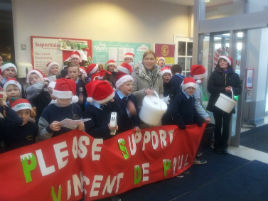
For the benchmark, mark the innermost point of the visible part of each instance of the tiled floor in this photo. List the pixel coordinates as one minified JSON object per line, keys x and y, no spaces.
{"x":248,"y":153}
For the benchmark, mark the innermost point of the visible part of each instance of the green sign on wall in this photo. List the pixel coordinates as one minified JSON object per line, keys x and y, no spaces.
{"x":106,"y":50}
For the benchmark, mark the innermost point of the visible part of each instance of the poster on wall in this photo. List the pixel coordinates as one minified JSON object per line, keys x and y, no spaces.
{"x":46,"y":49}
{"x":106,"y":50}
{"x":167,"y":51}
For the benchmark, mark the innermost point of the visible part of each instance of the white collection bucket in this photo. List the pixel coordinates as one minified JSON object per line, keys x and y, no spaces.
{"x":152,"y":110}
{"x":225,"y":103}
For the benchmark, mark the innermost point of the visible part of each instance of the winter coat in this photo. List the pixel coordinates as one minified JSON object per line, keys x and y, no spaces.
{"x":145,"y":79}
{"x":217,"y":82}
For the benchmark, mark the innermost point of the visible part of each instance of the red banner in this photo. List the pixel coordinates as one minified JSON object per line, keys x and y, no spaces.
{"x":73,"y":164}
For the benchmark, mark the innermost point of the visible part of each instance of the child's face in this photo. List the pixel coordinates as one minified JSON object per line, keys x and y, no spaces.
{"x":54,"y":70}
{"x":12,"y":91}
{"x":111,"y":68}
{"x":190,"y":91}
{"x":63,"y":102}
{"x":73,"y":72}
{"x":166,"y":77}
{"x":128,"y":60}
{"x":161,"y":63}
{"x":34,"y":78}
{"x":24,"y":115}
{"x":9,"y":73}
{"x":75,"y":61}
{"x":126,"y":88}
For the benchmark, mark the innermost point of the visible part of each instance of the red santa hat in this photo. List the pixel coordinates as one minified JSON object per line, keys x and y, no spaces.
{"x":52,"y":63}
{"x":161,"y":58}
{"x":227,"y":58}
{"x":100,"y":75}
{"x":198,"y":71}
{"x":122,"y":79}
{"x":83,"y":71}
{"x":129,"y":55}
{"x":125,"y":68}
{"x":8,"y":65}
{"x":21,"y":104}
{"x":65,"y":88}
{"x":188,"y":82}
{"x":37,"y":72}
{"x":110,"y":62}
{"x":12,"y":81}
{"x":75,"y":54}
{"x":92,"y":68}
{"x":166,"y":69}
{"x":99,"y":91}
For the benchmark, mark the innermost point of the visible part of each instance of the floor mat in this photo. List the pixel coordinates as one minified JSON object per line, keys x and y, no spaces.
{"x":234,"y":173}
{"x":256,"y":138}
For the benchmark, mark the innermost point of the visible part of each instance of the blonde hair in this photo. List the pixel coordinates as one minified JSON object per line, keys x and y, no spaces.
{"x":149,"y":52}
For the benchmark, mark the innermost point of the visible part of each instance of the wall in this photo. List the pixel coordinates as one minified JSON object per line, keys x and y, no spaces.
{"x":112,"y":20}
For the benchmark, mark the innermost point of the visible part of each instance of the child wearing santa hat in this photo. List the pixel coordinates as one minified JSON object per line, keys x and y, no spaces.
{"x":101,"y":98}
{"x":129,"y":58}
{"x":183,"y":107}
{"x":37,"y":91}
{"x":53,"y":68}
{"x":198,"y":72}
{"x":9,"y":71}
{"x":65,"y":107}
{"x":73,"y":72}
{"x":161,"y":62}
{"x":129,"y":118}
{"x":12,"y":88}
{"x":111,"y":66}
{"x":8,"y":118}
{"x":25,"y":133}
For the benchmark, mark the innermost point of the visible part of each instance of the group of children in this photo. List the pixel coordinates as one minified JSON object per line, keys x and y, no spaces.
{"x":90,"y":93}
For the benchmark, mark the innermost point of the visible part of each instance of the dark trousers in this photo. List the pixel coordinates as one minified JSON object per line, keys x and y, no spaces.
{"x":222,"y":127}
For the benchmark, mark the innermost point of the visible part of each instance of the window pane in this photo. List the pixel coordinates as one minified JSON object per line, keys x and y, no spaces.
{"x":189,"y":48}
{"x":182,"y":48}
{"x":181,"y":61}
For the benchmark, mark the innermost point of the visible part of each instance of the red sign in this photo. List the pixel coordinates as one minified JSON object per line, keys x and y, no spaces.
{"x":73,"y":164}
{"x":167,"y":51}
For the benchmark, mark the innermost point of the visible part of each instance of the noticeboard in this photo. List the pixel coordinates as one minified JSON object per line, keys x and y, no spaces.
{"x":106,"y":50}
{"x":46,"y":49}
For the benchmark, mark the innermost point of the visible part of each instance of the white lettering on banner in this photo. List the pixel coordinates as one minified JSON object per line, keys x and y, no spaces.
{"x":82,"y":152}
{"x":75,"y":147}
{"x":96,"y":184}
{"x":77,"y":184}
{"x":160,"y":138}
{"x":96,"y":148}
{"x":179,"y":162}
{"x":44,"y":169}
{"x":60,"y":155}
{"x":145,"y":171}
{"x":109,"y":185}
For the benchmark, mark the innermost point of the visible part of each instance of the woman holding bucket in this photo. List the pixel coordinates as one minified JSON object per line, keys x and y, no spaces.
{"x":148,"y":81}
{"x":148,"y":78}
{"x":225,"y":81}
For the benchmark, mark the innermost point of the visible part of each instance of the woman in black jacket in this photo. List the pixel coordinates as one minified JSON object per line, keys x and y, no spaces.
{"x":222,"y":80}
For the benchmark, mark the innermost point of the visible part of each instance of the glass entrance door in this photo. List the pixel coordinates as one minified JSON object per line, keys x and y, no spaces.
{"x":248,"y":48}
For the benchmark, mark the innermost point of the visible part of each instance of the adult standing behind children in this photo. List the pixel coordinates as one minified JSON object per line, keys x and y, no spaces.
{"x":222,"y":80}
{"x":147,"y":78}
